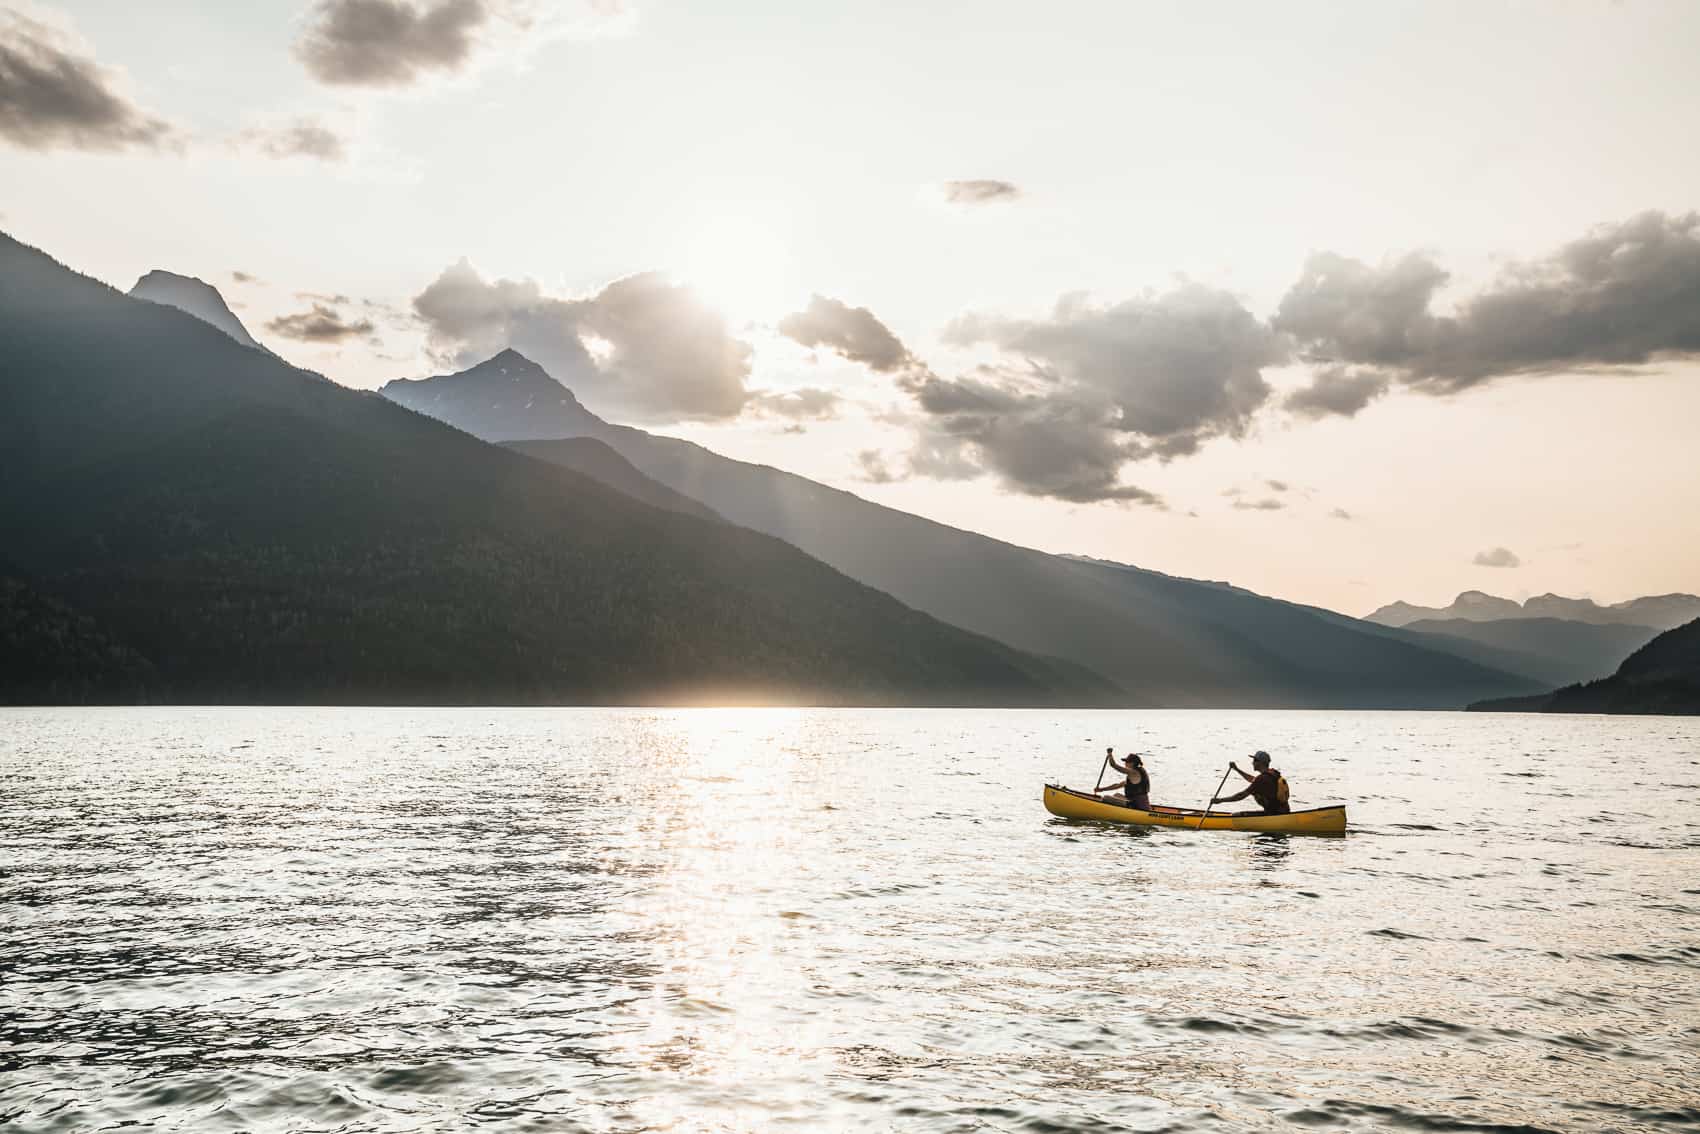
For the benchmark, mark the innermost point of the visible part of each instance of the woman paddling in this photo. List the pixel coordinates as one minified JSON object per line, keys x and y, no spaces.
{"x":1136,"y":789}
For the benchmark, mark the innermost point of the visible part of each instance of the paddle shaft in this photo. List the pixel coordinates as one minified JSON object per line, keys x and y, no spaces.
{"x":1099,"y":786}
{"x":1212,"y":799}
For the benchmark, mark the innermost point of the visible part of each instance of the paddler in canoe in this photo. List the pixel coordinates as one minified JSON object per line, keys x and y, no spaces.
{"x":1268,"y":787}
{"x":1136,"y":789}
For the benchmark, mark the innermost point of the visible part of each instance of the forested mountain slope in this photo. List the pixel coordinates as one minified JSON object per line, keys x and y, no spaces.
{"x":252,"y":532}
{"x":1662,"y":677}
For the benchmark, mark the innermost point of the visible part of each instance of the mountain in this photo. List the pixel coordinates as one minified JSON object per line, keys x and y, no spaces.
{"x":596,"y":459}
{"x":51,"y":654}
{"x":227,"y":528}
{"x":1662,"y":677}
{"x":1660,"y":612}
{"x":1474,"y":606}
{"x":1555,"y":651}
{"x":198,"y":298}
{"x":504,"y":398}
{"x":1166,"y":641}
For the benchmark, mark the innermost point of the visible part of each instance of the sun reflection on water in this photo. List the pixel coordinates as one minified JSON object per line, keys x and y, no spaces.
{"x":722,"y":1011}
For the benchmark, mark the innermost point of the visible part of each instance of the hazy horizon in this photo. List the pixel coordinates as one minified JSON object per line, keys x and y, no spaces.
{"x":1345,"y":307}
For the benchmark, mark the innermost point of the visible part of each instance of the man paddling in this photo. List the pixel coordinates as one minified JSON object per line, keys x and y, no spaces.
{"x":1267,"y":786}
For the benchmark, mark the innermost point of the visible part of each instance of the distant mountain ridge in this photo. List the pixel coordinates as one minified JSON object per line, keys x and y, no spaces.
{"x":1557,"y":651}
{"x":1659,"y":612}
{"x":1661,"y":678}
{"x":198,"y":298}
{"x":1166,"y":641}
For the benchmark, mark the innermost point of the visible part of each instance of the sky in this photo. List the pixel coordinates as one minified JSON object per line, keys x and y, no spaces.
{"x":1342,"y":303}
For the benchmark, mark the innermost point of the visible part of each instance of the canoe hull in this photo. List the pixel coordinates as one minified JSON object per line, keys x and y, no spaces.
{"x":1066,"y":803}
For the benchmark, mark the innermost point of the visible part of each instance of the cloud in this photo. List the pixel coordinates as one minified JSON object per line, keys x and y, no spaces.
{"x":1277,"y":485}
{"x":854,"y":333}
{"x":933,"y":456}
{"x":1096,"y":387}
{"x":1099,"y":387}
{"x":643,"y":346}
{"x":1346,"y":311}
{"x":397,"y":43}
{"x":304,"y":138}
{"x":810,"y":402}
{"x":1176,"y":369}
{"x":1622,"y":295}
{"x":319,"y":324}
{"x":941,"y":457}
{"x":671,"y":354}
{"x":1497,"y":557}
{"x":54,"y":95}
{"x":874,"y":469}
{"x":244,"y":278}
{"x":1340,"y":514}
{"x":389,"y":42}
{"x":978,"y":192}
{"x":1267,"y":504}
{"x":1337,"y":390}
{"x":1061,"y":445}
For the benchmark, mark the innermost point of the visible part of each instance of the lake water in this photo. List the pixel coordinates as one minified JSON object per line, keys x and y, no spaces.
{"x":613,"y":920}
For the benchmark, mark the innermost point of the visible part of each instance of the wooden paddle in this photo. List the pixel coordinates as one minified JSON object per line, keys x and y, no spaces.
{"x":1212,"y":799}
{"x":1099,"y":786}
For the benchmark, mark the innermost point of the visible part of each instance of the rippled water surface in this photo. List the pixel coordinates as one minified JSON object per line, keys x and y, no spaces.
{"x":348,"y":920}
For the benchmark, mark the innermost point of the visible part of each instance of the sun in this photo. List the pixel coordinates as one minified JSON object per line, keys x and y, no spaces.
{"x":739,"y":264}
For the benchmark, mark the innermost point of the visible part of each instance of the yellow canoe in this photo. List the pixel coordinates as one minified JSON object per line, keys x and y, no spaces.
{"x":1066,"y":803}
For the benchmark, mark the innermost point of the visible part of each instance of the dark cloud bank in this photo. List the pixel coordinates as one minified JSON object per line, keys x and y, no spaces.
{"x":53,"y":95}
{"x":1623,"y":295}
{"x":1090,"y":388}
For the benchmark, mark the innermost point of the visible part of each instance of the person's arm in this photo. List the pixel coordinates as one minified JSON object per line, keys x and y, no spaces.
{"x":1243,"y":774}
{"x":1231,"y":798}
{"x":1122,"y":768}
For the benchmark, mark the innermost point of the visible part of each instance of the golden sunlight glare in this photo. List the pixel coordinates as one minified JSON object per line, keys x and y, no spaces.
{"x":739,"y":265}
